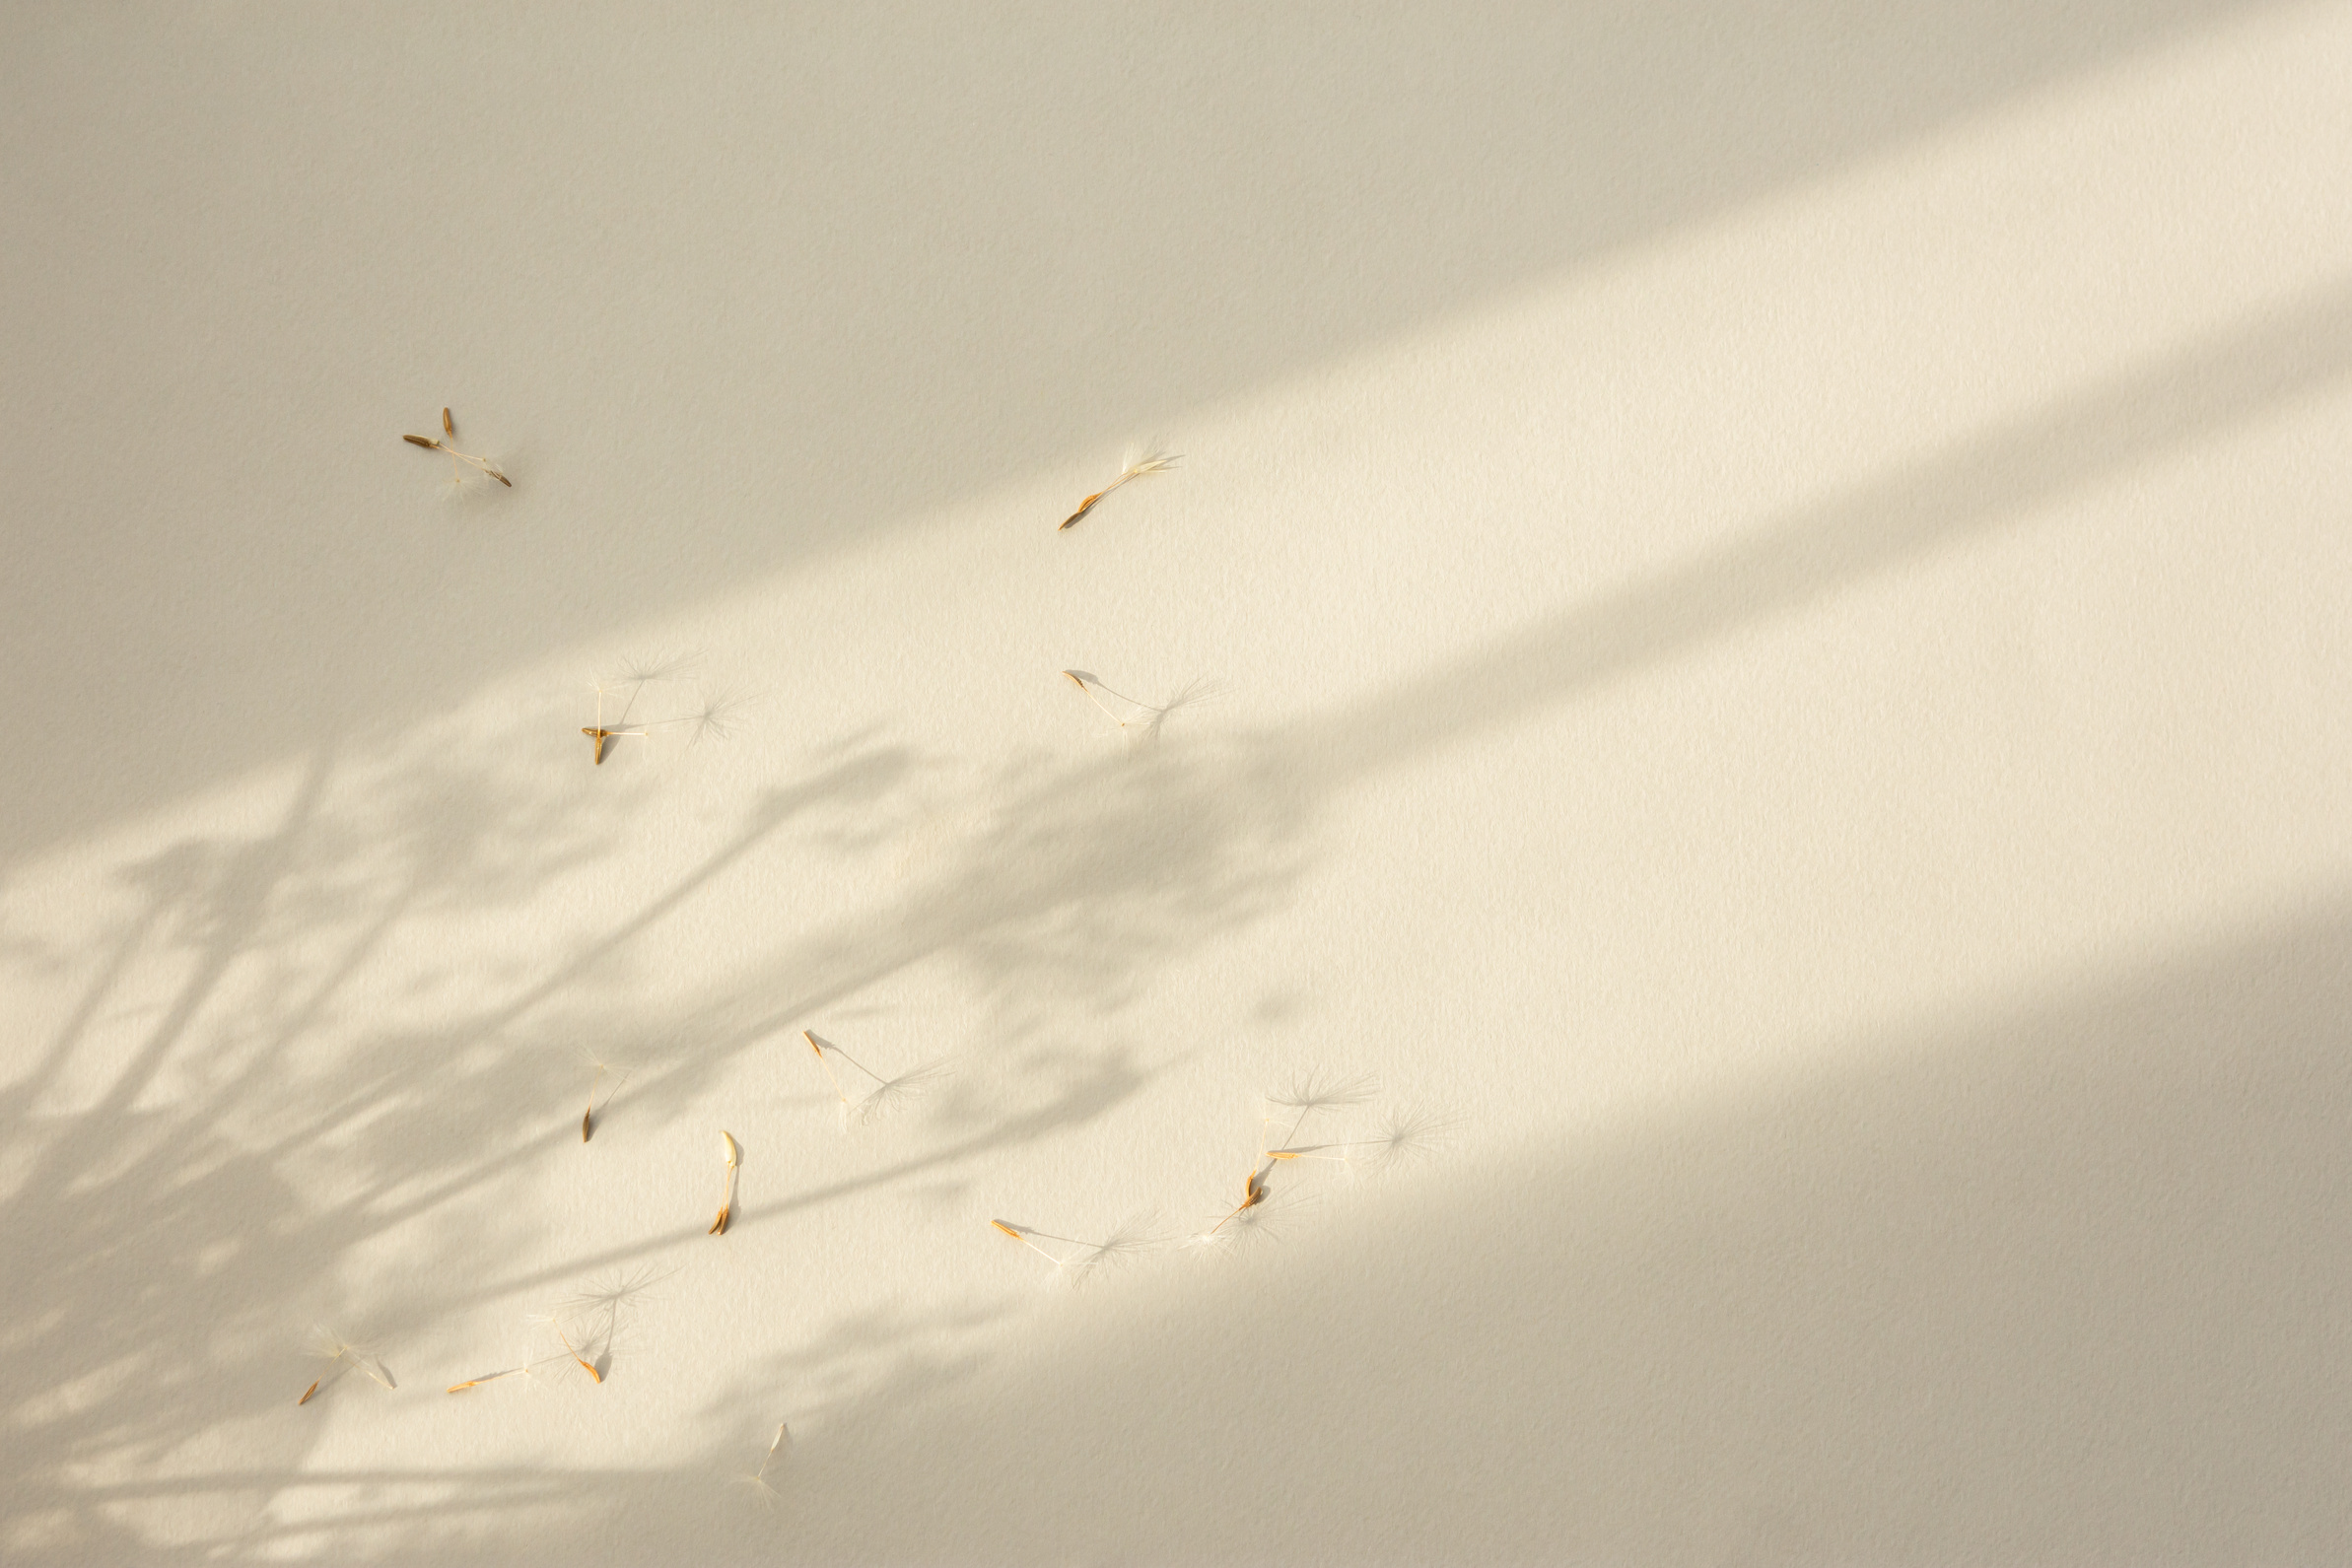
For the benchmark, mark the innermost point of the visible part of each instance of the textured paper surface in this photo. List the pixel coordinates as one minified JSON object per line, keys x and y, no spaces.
{"x":1770,"y":587}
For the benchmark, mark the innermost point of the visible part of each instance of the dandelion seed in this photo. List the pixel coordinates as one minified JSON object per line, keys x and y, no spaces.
{"x":435,"y":443}
{"x":715,"y":714}
{"x":554,"y":1322}
{"x":831,"y":1076}
{"x":726,"y":1195}
{"x":1401,"y":1137}
{"x":605,"y":1299}
{"x":1087,"y":684}
{"x":886,"y":1095}
{"x":493,"y":1377}
{"x":1122,"y":1243}
{"x":602,"y":734}
{"x":306,"y":1392}
{"x":1261,"y":1211}
{"x":757,"y":1479}
{"x":585,"y":1365}
{"x":1257,"y":1219}
{"x":1307,"y":1096}
{"x":1022,"y":1235}
{"x":588,"y":1117}
{"x":1157,"y":464}
{"x":1253,"y":1193}
{"x":340,"y":1352}
{"x":1146,"y":718}
{"x":1335,"y":1153}
{"x":1321,"y":1151}
{"x":1216,"y":1234}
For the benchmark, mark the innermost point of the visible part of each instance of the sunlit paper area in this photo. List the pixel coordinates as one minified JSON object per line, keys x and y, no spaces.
{"x":1737,"y":705}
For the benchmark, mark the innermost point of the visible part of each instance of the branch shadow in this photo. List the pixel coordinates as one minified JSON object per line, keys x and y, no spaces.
{"x":226,"y":1115}
{"x":2056,"y":1286}
{"x":191,"y":1175}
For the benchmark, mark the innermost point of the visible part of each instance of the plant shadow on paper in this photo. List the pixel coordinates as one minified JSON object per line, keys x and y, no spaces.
{"x":2051,"y":1284}
{"x":222,"y":1118}
{"x":1963,"y":1249}
{"x":264,"y":1070}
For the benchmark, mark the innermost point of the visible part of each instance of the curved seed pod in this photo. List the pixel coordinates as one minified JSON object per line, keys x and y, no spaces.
{"x":1158,"y":463}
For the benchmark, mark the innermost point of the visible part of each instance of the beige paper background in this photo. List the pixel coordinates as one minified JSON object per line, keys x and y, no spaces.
{"x":1775,"y":581}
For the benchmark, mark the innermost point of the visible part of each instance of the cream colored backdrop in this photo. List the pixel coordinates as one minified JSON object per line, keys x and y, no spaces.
{"x":1774,"y":580}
